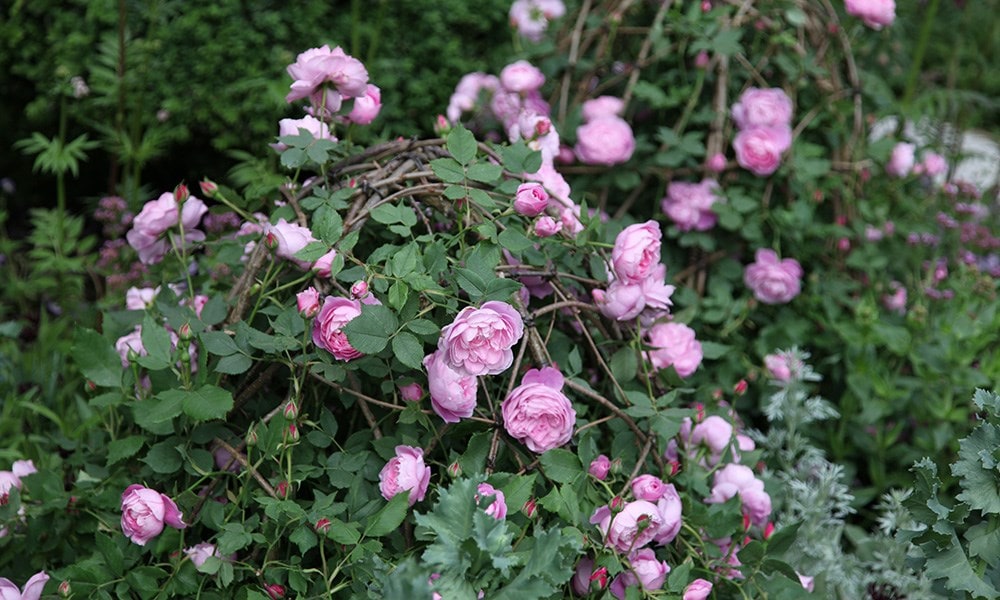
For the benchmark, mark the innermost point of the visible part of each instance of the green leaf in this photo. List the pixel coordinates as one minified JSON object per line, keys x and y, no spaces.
{"x":343,"y":533}
{"x":624,"y":364}
{"x":408,"y":349}
{"x":124,"y":448}
{"x":472,"y":282}
{"x":679,"y":577}
{"x":448,"y":170}
{"x":155,"y":414}
{"x":977,"y":469}
{"x":951,"y":563}
{"x":473,"y":460}
{"x":519,"y":158}
{"x":96,"y":358}
{"x":156,"y":341}
{"x":304,"y":538}
{"x":514,"y":240}
{"x":485,"y":172}
{"x":398,"y":294}
{"x":423,"y":327}
{"x":390,"y":517}
{"x":234,"y":537}
{"x":461,"y":144}
{"x":312,"y":251}
{"x":370,"y":332}
{"x":714,"y":350}
{"x":218,"y":343}
{"x":234,"y":364}
{"x":205,"y":403}
{"x":781,"y":540}
{"x":561,"y":465}
{"x":164,"y":458}
{"x":406,"y":260}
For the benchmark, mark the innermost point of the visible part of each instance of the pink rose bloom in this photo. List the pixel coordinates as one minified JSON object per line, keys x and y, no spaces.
{"x":130,"y":341}
{"x":498,"y":508}
{"x":531,"y":199}
{"x":156,"y":217}
{"x":650,"y":572}
{"x":759,"y":149}
{"x":599,"y":467}
{"x":763,"y":108}
{"x":145,"y":512}
{"x":316,"y":128}
{"x":901,"y":161}
{"x":531,"y":17}
{"x":674,"y":344}
{"x":699,"y":589}
{"x":603,"y":106}
{"x":8,"y":481}
{"x":739,"y":476}
{"x":756,"y":504}
{"x":289,"y":239}
{"x":537,"y":413}
{"x":308,"y":302}
{"x":140,"y":298}
{"x":648,"y":487}
{"x":316,"y":66}
{"x":581,"y":578}
{"x":933,"y":164}
{"x":716,"y":163}
{"x":405,"y":473}
{"x":335,"y":313}
{"x":23,"y":468}
{"x":467,"y":92}
{"x":366,"y":107}
{"x":324,"y":263}
{"x":669,"y":507}
{"x":632,"y":528}
{"x":546,"y":226}
{"x":875,"y":13}
{"x":636,"y":252}
{"x":453,"y":394}
{"x":734,"y":479}
{"x":605,"y":141}
{"x":896,"y":301}
{"x":715,"y":432}
{"x":689,"y":205}
{"x":773,"y":281}
{"x":778,"y":367}
{"x":199,"y":553}
{"x":32,"y":588}
{"x":521,"y":76}
{"x":479,"y":340}
{"x":412,"y":392}
{"x":624,"y":302}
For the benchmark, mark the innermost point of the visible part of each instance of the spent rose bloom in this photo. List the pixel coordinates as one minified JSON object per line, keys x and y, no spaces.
{"x":334,"y":314}
{"x":537,"y":413}
{"x":602,"y":106}
{"x":604,"y":141}
{"x":317,"y":66}
{"x":902,"y":160}
{"x":453,"y":394}
{"x":531,"y":17}
{"x":763,"y":108}
{"x":23,"y":468}
{"x":896,"y":301}
{"x":366,"y":107}
{"x":158,"y":216}
{"x":772,"y":280}
{"x":624,"y":302}
{"x":32,"y":588}
{"x":674,"y":344}
{"x":648,"y":487}
{"x":875,"y":13}
{"x":933,"y":164}
{"x":699,"y":589}
{"x":145,"y":512}
{"x":131,"y":341}
{"x":479,"y":340}
{"x":466,"y":93}
{"x":689,"y":205}
{"x":308,"y":302}
{"x":521,"y":76}
{"x":599,"y":467}
{"x":531,"y":199}
{"x":405,"y":472}
{"x":498,"y":508}
{"x":759,"y":149}
{"x":636,"y":253}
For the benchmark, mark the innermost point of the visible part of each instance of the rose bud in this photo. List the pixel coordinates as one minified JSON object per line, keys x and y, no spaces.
{"x":293,"y":433}
{"x":208,"y":188}
{"x":181,"y":193}
{"x":282,"y":489}
{"x":291,"y":411}
{"x":455,"y":470}
{"x":65,"y":590}
{"x":529,"y":508}
{"x":323,"y":525}
{"x":275,"y":591}
{"x":252,"y":436}
{"x":741,"y":387}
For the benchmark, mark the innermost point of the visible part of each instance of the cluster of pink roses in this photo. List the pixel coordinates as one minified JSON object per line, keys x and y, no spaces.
{"x":875,"y":13}
{"x":158,"y":217}
{"x":773,"y":280}
{"x":328,"y":77}
{"x":689,"y":205}
{"x":764,"y":118}
{"x":604,"y":138}
{"x":531,"y":17}
{"x":288,"y":239}
{"x":146,"y":511}
{"x":903,"y":161}
{"x":638,"y":278}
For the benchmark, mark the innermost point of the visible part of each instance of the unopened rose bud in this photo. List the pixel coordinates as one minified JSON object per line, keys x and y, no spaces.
{"x":282,"y":489}
{"x":717,"y":163}
{"x":291,"y":411}
{"x":702,"y":59}
{"x":252,"y":436}
{"x":530,"y":508}
{"x":675,"y":467}
{"x":411,"y":392}
{"x":717,"y":394}
{"x":706,"y":6}
{"x":275,"y":591}
{"x":699,"y":412}
{"x":91,"y":386}
{"x":441,"y":125}
{"x":65,"y":590}
{"x":271,"y":241}
{"x":616,"y":504}
{"x":293,"y":433}
{"x":642,"y":523}
{"x":768,"y":530}
{"x":184,"y":332}
{"x":181,"y":193}
{"x":616,"y":466}
{"x":741,"y":387}
{"x":323,"y":525}
{"x":455,"y":470}
{"x":543,"y":127}
{"x":209,"y":188}
{"x":600,"y":578}
{"x":359,"y":289}
{"x":844,"y":244}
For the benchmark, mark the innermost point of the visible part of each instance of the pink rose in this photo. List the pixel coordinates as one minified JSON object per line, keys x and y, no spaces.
{"x":530,"y":199}
{"x":756,"y":504}
{"x":599,"y":467}
{"x":759,"y":149}
{"x":313,"y":126}
{"x":624,"y":302}
{"x":875,"y":13}
{"x":467,"y":92}
{"x":131,"y":341}
{"x":308,"y":302}
{"x":674,"y":344}
{"x":335,"y":313}
{"x":716,"y":163}
{"x":933,"y":164}
{"x":647,"y":487}
{"x":602,"y":106}
{"x":689,"y":205}
{"x":316,"y":66}
{"x":669,"y":507}
{"x":412,"y":392}
{"x":405,"y":473}
{"x":605,"y":141}
{"x":32,"y":588}
{"x":546,"y":226}
{"x":734,"y":479}
{"x":896,"y":301}
{"x":531,"y":17}
{"x":453,"y":394}
{"x":636,"y":252}
{"x":199,"y":553}
{"x":479,"y":340}
{"x":763,"y":108}
{"x":650,"y":572}
{"x":537,"y":130}
{"x":773,"y":281}
{"x":366,"y":107}
{"x":144,"y":513}
{"x":537,"y":413}
{"x":288,"y":239}
{"x":498,"y":508}
{"x":140,"y":298}
{"x":778,"y":367}
{"x":156,"y":217}
{"x":715,"y":432}
{"x":8,"y":481}
{"x":632,"y":528}
{"x":699,"y":589}
{"x":324,"y":263}
{"x":23,"y":468}
{"x":521,"y":76}
{"x":901,"y":161}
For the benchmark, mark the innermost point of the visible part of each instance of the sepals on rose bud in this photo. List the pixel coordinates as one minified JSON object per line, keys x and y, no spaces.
{"x":599,"y":577}
{"x":292,"y":433}
{"x":675,"y":467}
{"x":184,"y":332}
{"x":252,"y":438}
{"x":282,"y":489}
{"x":209,"y":188}
{"x":616,"y":504}
{"x":740,"y":388}
{"x":323,"y":525}
{"x":271,"y":241}
{"x":359,"y":289}
{"x":455,"y":470}
{"x":530,"y":508}
{"x":181,"y":193}
{"x":441,"y":125}
{"x":65,"y":590}
{"x":291,"y":411}
{"x":768,"y":530}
